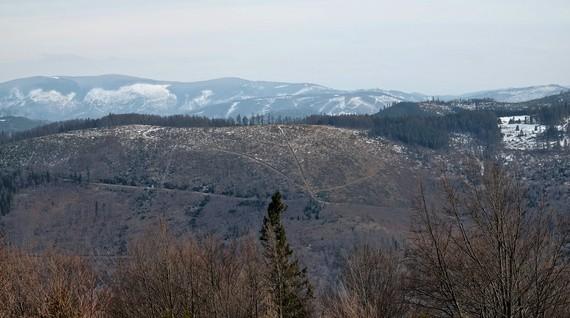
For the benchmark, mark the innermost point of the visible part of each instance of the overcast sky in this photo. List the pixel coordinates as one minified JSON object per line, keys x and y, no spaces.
{"x":435,"y":47}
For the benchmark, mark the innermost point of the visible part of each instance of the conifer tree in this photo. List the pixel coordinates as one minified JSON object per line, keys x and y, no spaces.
{"x":290,"y":290}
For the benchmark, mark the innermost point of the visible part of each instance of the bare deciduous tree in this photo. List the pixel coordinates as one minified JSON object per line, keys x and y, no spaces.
{"x":369,"y":286}
{"x":164,"y":277}
{"x":486,"y":253}
{"x":49,"y":285}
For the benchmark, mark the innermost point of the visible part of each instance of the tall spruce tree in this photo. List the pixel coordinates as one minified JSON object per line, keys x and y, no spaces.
{"x":291,"y":292}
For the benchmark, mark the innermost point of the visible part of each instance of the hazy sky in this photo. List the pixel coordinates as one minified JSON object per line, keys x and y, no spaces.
{"x":436,"y":47}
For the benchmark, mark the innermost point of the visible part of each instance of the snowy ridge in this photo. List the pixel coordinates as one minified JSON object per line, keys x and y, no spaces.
{"x":516,"y":95}
{"x":62,"y":97}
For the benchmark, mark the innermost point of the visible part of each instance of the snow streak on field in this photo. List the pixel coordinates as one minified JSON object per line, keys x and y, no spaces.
{"x":523,"y":137}
{"x":520,"y":134}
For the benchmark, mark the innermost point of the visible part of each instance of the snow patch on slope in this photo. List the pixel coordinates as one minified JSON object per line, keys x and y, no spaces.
{"x":522,"y":139}
{"x":157,"y":96}
{"x":39,"y":96}
{"x":309,"y":89}
{"x":519,"y":134}
{"x":50,"y":97}
{"x":358,"y":103}
{"x":232,"y":109}
{"x":200,"y":101}
{"x":387,"y":100}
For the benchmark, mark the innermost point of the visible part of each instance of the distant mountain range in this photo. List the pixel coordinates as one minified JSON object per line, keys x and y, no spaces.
{"x":67,"y":97}
{"x":518,"y":95}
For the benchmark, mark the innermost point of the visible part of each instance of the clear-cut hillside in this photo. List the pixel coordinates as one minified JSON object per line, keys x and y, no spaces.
{"x":340,"y":185}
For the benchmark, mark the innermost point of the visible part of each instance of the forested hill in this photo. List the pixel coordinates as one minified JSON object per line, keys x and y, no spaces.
{"x":412,"y":125}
